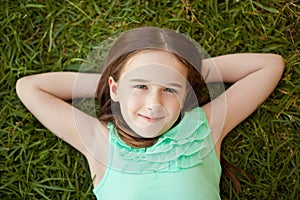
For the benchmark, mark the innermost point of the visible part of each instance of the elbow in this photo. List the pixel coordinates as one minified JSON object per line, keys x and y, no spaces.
{"x":278,"y":64}
{"x":21,"y":86}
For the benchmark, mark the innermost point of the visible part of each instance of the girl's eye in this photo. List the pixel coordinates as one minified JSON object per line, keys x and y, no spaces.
{"x":170,"y":90}
{"x":143,"y":87}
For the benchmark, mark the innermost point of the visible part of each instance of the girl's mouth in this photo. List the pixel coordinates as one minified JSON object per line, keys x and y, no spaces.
{"x":150,"y":119}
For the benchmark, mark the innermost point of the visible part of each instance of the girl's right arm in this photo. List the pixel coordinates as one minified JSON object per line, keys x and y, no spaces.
{"x":45,"y":96}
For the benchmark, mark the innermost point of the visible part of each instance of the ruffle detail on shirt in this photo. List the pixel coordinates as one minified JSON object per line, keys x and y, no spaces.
{"x":184,"y":146}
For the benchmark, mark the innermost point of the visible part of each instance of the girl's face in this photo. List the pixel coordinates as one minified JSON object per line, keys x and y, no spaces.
{"x":151,"y":92}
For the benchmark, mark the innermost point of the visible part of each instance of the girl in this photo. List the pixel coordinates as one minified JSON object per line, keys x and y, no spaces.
{"x":155,"y":136}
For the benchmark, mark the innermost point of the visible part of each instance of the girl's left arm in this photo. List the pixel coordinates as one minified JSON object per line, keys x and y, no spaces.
{"x":254,"y":77}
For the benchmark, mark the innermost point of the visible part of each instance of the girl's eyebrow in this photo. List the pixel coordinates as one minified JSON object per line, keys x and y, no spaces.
{"x":172,"y":84}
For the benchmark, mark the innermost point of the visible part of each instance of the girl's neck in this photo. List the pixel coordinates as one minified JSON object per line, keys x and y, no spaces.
{"x":136,"y":142}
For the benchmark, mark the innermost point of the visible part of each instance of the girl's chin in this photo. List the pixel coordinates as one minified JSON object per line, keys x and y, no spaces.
{"x":149,"y":127}
{"x":148,"y":132}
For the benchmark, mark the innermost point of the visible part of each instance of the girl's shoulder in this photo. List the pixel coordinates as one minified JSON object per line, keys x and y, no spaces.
{"x":98,"y":136}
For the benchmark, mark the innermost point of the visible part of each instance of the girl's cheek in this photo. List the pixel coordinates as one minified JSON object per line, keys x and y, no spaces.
{"x":174,"y":100}
{"x":135,"y":99}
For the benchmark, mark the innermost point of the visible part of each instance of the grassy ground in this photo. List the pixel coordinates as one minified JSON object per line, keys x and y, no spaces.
{"x":42,"y":36}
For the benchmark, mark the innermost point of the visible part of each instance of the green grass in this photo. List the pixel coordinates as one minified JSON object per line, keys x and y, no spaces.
{"x":42,"y":36}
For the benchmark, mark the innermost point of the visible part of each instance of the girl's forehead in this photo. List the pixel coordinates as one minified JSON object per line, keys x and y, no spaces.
{"x":154,"y":73}
{"x":166,"y":60}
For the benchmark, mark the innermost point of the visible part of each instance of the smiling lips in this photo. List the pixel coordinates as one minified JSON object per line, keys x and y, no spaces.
{"x":151,"y":119}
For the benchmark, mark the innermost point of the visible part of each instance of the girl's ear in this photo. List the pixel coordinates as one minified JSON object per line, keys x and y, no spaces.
{"x":113,"y":85}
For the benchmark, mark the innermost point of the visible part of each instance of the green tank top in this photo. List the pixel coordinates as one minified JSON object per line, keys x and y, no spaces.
{"x":181,"y":165}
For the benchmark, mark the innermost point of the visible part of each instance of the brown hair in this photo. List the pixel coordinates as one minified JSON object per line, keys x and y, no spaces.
{"x":127,"y":45}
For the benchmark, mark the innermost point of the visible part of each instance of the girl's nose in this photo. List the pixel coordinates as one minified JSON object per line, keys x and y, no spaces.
{"x":154,"y":101}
